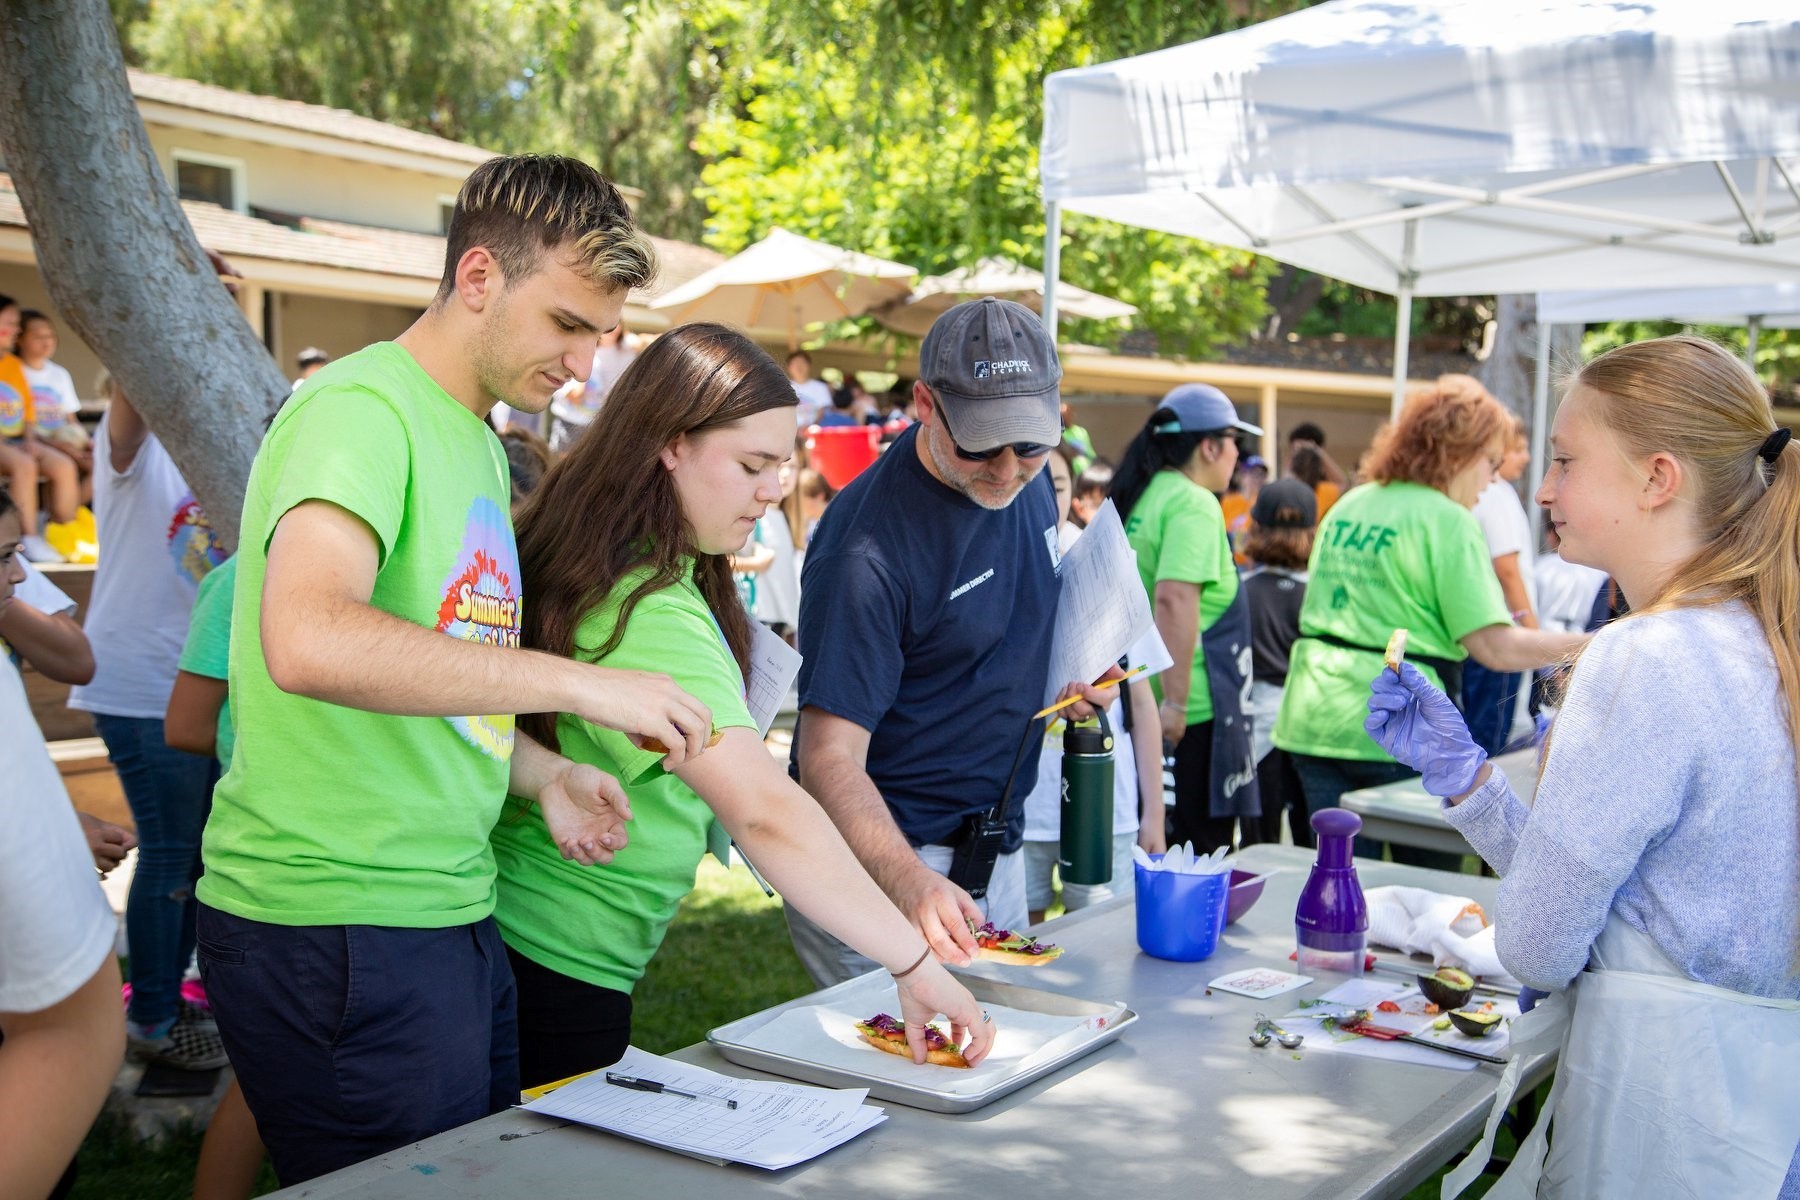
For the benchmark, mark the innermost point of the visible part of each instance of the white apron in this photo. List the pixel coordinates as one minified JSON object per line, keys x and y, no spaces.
{"x":1664,"y":1087}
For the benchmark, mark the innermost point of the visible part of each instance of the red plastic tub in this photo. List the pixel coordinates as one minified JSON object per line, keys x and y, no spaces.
{"x":841,"y":452}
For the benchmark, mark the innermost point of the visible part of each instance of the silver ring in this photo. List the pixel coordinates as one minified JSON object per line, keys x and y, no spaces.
{"x":984,"y":1017}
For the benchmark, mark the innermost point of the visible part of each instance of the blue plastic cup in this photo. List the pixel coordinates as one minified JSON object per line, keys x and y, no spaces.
{"x":1180,"y":917}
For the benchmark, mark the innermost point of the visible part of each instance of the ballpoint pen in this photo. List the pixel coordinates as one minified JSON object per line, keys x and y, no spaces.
{"x":650,"y":1085}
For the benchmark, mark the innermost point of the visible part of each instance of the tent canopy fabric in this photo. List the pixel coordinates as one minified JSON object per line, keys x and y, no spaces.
{"x":937,"y":294}
{"x":1451,"y":147}
{"x":786,"y":282}
{"x":1774,"y":306}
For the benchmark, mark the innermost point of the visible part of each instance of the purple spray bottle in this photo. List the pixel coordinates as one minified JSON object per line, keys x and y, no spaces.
{"x":1331,"y":922}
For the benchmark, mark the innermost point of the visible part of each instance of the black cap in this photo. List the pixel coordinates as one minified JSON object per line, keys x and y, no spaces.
{"x":1285,"y":504}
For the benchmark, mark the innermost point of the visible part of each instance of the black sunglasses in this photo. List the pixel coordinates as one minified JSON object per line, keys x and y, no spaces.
{"x":1022,"y":449}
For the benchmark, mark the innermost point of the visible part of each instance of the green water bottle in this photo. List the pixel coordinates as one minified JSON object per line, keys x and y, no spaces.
{"x":1087,"y":803}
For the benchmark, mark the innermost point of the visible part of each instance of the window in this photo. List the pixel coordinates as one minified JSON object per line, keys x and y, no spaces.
{"x":446,"y":206}
{"x":210,"y":179}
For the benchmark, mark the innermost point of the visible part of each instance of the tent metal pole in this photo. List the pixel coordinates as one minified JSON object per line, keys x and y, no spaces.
{"x":1540,"y":417}
{"x":1403,"y":316}
{"x":1052,"y":263}
{"x":1754,"y":324}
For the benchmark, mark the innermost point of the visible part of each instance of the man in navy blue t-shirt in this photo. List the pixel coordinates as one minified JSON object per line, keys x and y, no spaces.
{"x":926,"y":611}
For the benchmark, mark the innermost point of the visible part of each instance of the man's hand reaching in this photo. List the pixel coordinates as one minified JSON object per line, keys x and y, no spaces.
{"x":585,"y":810}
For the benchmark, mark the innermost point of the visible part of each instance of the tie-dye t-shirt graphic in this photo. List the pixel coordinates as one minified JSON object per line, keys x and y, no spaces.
{"x":192,"y":544}
{"x":49,"y":405}
{"x":481,"y":604}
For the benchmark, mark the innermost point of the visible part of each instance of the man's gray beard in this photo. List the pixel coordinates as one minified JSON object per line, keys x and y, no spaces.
{"x":953,"y":479}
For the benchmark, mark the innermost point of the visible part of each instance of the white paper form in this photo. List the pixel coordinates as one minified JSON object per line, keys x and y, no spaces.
{"x":773,"y":666}
{"x":775,"y":1125}
{"x":1103,"y":610}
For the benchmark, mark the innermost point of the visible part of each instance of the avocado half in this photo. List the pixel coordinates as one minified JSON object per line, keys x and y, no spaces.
{"x":1448,"y":987}
{"x":1475,"y":1023}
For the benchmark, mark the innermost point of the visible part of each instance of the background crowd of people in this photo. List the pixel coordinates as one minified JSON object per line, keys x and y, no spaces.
{"x":318,"y":817}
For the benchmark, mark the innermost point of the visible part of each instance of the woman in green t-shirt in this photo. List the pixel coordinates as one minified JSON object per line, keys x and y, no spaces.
{"x":1166,"y":490}
{"x":1402,"y":551}
{"x":625,"y":553}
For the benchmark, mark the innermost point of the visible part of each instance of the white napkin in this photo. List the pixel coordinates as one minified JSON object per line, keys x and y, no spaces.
{"x":1453,"y":930}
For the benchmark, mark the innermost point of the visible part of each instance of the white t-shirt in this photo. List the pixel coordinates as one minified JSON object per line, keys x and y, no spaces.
{"x":778,"y":588}
{"x":1566,"y":593}
{"x":55,"y":925}
{"x":609,"y":363}
{"x":41,"y":594}
{"x":53,"y":395}
{"x":155,"y":546}
{"x":815,"y":401}
{"x":1508,"y":530}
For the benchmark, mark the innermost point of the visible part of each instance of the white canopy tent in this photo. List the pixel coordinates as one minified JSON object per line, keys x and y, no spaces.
{"x":1756,"y":306}
{"x":1761,"y":306}
{"x":1456,"y":147}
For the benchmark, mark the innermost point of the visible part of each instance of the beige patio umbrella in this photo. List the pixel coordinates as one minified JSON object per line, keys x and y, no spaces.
{"x":1000,"y":277}
{"x":785,"y":283}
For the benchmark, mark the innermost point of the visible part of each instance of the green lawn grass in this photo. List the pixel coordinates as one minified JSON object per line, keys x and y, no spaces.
{"x":726,"y":956}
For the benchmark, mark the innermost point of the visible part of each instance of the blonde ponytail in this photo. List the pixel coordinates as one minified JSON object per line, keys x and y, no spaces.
{"x":1691,"y":398}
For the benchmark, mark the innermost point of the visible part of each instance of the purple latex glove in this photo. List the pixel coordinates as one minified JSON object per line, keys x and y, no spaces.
{"x":1417,"y":724}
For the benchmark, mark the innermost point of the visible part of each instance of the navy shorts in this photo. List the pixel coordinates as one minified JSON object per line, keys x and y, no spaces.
{"x":353,"y":1040}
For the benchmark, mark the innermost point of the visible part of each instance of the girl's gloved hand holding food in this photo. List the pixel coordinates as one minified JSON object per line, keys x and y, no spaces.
{"x":1416,"y":723}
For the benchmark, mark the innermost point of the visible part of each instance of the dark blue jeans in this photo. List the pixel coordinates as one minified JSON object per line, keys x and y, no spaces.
{"x":1325,"y":780}
{"x":170,"y":793}
{"x":1488,"y":701}
{"x":353,"y":1040}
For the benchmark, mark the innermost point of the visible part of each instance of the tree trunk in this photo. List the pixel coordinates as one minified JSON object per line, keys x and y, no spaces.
{"x":1511,"y":365}
{"x":118,"y":255}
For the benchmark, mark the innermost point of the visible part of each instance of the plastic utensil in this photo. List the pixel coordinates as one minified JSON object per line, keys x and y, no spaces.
{"x":1384,"y":1033}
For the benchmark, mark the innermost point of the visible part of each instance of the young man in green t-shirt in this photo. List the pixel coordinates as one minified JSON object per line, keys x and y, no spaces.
{"x":345,"y":928}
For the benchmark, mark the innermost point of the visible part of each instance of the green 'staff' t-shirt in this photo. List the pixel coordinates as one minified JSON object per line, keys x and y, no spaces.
{"x":1386,"y":557}
{"x":603,"y":924}
{"x":1178,"y":531}
{"x":332,"y":815}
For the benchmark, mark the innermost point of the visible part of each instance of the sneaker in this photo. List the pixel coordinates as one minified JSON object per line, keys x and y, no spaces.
{"x":38,"y":550}
{"x":187,"y":1046}
{"x":197,"y":1015}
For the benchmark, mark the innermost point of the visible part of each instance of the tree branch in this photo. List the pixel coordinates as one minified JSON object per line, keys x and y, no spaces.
{"x":117,"y":253}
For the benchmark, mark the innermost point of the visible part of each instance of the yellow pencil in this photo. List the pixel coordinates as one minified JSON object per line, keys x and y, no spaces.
{"x":1062,"y":704}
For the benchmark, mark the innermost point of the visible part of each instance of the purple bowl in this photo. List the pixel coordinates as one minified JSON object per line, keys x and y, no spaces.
{"x":1246,"y":889}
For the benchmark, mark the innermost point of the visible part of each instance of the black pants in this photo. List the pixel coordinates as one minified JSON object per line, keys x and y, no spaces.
{"x":1192,"y":821}
{"x":1280,"y":787}
{"x":566,"y":1026}
{"x":353,"y":1040}
{"x":1325,"y":780}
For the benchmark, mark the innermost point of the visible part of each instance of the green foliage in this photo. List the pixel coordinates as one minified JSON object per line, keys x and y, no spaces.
{"x":726,"y":956}
{"x":910,"y":130}
{"x":622,"y":86}
{"x":1777,"y":350}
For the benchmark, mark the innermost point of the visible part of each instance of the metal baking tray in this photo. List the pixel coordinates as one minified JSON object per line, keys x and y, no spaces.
{"x":732,"y":1042}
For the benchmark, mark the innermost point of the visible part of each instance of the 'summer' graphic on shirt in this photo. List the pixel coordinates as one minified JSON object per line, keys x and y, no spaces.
{"x":12,"y":410}
{"x":481,"y":604}
{"x":192,"y":545}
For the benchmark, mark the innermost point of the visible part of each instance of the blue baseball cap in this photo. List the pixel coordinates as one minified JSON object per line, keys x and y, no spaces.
{"x":1200,"y":408}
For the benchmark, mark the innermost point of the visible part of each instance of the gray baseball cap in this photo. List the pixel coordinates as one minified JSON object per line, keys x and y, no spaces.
{"x":994,"y":365}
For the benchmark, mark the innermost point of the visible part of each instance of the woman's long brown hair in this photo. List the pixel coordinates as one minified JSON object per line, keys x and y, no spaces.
{"x":608,"y":507}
